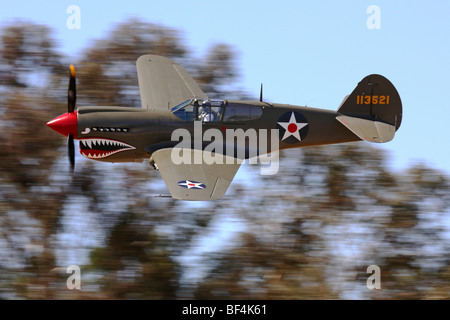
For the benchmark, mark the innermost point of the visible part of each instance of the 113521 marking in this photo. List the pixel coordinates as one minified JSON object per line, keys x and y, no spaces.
{"x":361,"y":99}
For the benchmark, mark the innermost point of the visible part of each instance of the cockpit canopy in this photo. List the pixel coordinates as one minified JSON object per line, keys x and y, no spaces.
{"x":216,"y":111}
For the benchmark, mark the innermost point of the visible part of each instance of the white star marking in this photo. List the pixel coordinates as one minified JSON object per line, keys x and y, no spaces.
{"x":292,"y":128}
{"x":191,"y":184}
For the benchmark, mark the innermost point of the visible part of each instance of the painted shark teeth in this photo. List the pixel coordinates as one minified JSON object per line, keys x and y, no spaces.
{"x":92,"y":143}
{"x":97,"y":148}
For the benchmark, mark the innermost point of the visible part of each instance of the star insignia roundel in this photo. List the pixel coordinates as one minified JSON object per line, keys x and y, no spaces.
{"x":191,"y":184}
{"x":293,"y":127}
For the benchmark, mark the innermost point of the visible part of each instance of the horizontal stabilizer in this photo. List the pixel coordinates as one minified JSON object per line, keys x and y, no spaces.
{"x":368,"y":130}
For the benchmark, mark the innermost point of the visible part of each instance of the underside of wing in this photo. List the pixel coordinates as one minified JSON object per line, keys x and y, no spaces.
{"x":190,"y":181}
{"x":163,"y":84}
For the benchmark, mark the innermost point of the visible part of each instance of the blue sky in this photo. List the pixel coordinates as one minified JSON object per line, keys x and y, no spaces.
{"x":306,"y":53}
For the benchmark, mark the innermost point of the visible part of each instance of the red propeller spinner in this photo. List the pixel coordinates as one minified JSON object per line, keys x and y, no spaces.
{"x":65,"y":124}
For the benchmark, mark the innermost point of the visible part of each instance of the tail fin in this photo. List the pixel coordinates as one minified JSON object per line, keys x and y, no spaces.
{"x":373,"y":111}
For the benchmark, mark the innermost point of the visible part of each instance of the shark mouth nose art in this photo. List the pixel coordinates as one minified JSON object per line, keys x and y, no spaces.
{"x":93,"y":148}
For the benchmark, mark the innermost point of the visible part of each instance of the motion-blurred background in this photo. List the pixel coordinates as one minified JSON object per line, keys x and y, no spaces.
{"x":309,"y":232}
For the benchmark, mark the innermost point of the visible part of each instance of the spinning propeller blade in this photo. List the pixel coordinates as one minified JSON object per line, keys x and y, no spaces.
{"x":72,"y":92}
{"x":71,"y":152}
{"x":71,"y":101}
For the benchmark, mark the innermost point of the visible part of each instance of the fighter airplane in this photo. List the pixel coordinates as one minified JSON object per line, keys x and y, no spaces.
{"x":172,"y":102}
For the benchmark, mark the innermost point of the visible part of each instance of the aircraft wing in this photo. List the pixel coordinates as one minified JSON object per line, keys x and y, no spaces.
{"x":195,"y":181}
{"x":163,"y":84}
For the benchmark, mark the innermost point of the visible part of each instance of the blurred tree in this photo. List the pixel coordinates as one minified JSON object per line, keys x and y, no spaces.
{"x":414,"y":254}
{"x":335,"y":211}
{"x":27,"y":48}
{"x":218,"y":70}
{"x":111,"y":63}
{"x":135,"y":264}
{"x":28,"y":58}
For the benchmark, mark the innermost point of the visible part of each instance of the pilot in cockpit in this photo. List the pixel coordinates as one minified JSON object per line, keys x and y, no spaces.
{"x":205,"y":113}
